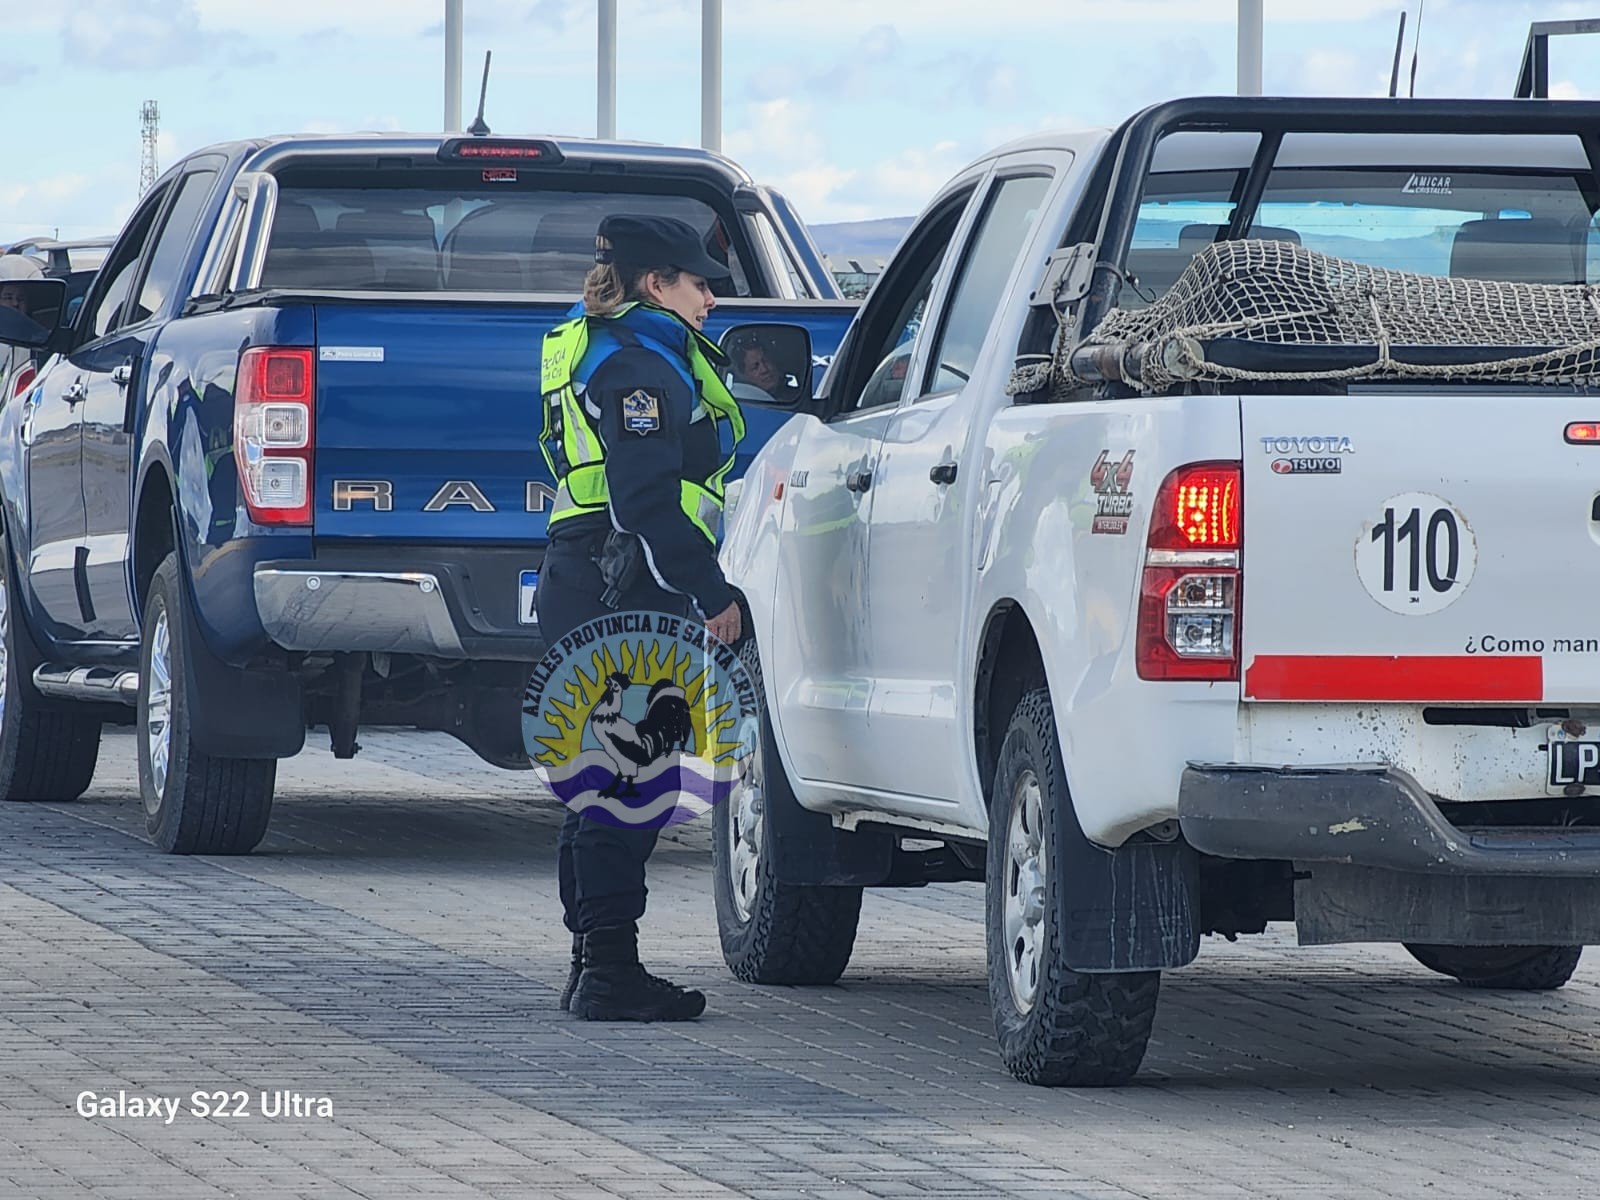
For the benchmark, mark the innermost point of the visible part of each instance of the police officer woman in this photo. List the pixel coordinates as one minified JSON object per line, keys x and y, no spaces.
{"x":635,"y":409}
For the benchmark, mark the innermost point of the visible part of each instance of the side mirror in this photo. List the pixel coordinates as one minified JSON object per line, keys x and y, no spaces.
{"x":768,"y":364}
{"x":30,"y":310}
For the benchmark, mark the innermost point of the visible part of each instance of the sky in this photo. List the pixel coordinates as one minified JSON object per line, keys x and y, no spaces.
{"x":853,"y":108}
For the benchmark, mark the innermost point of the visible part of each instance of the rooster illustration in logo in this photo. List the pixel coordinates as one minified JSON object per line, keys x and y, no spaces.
{"x":666,"y":726}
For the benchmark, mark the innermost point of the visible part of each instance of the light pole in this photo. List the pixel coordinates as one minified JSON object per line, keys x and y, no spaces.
{"x":452,"y":65}
{"x":711,"y":74}
{"x":606,"y":71}
{"x":1250,"y":22}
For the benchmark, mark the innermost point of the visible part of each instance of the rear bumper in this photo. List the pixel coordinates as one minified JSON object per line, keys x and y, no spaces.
{"x":436,"y":606}
{"x":1364,"y":815}
{"x":397,"y":612}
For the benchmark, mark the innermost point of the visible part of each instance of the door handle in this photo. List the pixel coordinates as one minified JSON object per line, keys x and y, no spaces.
{"x":122,"y":374}
{"x":858,"y":481}
{"x":29,"y":407}
{"x":944,"y":472}
{"x":76,"y":391}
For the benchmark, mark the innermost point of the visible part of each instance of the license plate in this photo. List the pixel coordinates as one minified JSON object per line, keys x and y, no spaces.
{"x":1574,"y":762}
{"x":527,"y":597}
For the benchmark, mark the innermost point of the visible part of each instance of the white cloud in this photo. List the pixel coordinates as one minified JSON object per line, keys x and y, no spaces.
{"x":146,"y":35}
{"x":777,"y":142}
{"x":813,"y":192}
{"x":967,"y":18}
{"x":822,"y":21}
{"x":779,"y":126}
{"x":1333,"y":72}
{"x":79,"y":204}
{"x":906,"y":182}
{"x":289,"y":17}
{"x":998,"y":135}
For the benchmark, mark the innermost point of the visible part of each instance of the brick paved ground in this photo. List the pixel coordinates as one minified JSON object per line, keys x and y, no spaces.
{"x":395,"y":947}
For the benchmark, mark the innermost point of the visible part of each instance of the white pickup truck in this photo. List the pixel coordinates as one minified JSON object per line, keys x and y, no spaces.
{"x":1197,"y":530}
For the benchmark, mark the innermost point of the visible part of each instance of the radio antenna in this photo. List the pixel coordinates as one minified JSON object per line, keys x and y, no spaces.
{"x":1399,"y":44}
{"x":479,"y":126}
{"x":1416,"y":47}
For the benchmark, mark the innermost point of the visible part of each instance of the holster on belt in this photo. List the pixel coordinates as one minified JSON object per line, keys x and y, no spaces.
{"x":621,"y":556}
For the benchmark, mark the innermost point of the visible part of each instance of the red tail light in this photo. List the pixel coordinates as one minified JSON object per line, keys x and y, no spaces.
{"x":273,"y":415}
{"x":1190,"y":595}
{"x":24,"y":380}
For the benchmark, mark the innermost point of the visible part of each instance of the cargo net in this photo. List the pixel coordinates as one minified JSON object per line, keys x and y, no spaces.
{"x":1281,"y":295}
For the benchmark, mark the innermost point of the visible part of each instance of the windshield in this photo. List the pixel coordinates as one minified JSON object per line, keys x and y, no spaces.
{"x":1522,"y":225}
{"x":484,"y":238}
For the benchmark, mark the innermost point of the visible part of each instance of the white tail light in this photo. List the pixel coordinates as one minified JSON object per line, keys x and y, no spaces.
{"x":272,"y":433}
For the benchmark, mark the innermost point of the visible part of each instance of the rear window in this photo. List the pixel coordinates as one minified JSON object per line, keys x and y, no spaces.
{"x":490,"y":238}
{"x":87,"y":258}
{"x":1521,"y":225}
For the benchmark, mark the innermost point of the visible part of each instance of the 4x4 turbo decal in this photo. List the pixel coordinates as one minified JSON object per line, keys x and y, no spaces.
{"x":1111,"y":481}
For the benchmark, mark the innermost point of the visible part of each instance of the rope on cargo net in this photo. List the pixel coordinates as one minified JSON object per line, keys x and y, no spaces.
{"x":1280,"y":294}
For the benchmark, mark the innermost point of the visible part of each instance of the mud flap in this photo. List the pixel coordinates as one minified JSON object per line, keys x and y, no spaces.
{"x":1135,"y":908}
{"x":809,"y":850}
{"x":239,"y":712}
{"x":1338,"y":903}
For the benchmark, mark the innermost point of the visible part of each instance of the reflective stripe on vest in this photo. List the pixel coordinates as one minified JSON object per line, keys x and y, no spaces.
{"x":570,"y":437}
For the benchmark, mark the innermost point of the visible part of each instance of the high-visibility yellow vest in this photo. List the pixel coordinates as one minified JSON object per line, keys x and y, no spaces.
{"x":570,"y":437}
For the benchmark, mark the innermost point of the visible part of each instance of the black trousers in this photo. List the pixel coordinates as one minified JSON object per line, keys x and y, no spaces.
{"x":600,"y":867}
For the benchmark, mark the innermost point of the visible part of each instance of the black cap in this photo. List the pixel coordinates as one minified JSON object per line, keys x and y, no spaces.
{"x":649,"y":242}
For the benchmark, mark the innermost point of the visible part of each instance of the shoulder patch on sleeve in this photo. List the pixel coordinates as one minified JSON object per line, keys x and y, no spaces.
{"x":641,"y":411}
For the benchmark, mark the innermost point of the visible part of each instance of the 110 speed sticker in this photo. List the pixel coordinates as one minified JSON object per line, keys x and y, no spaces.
{"x":1418,"y":556}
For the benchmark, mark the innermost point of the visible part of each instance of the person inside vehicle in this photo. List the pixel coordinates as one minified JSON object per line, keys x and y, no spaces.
{"x":14,"y":270}
{"x":755,"y":365}
{"x":16,"y":320}
{"x":635,"y":410}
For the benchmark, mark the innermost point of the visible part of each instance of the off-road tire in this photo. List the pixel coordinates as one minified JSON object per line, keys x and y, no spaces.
{"x":47,"y":751}
{"x":794,"y":934}
{"x":1080,"y":1030}
{"x":1506,"y":968}
{"x":205,"y":805}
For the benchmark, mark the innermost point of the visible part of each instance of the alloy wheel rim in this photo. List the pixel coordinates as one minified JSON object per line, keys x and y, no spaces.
{"x":158,"y":705}
{"x":1025,"y":880}
{"x":746,"y":818}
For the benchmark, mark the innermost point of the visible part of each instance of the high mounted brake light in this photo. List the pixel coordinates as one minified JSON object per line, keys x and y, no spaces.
{"x":273,"y":415}
{"x":500,"y":150}
{"x":1189,"y":596}
{"x":1583,"y":433}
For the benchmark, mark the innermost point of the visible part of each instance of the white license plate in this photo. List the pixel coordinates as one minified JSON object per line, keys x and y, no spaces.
{"x":1574,"y":762}
{"x":527,"y":598}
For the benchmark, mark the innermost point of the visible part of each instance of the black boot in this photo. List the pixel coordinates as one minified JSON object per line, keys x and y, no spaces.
{"x":574,"y":972}
{"x":614,"y":987}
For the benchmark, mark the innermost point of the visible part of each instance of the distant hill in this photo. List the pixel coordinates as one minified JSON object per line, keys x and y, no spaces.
{"x":861,"y":239}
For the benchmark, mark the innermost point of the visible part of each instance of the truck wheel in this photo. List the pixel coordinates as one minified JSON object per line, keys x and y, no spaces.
{"x":194,"y":803}
{"x":1508,"y":968}
{"x":45,"y":753}
{"x":1056,"y":1027}
{"x":773,"y":932}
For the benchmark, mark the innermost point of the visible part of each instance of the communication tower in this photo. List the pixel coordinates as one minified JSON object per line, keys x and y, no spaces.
{"x":149,"y":124}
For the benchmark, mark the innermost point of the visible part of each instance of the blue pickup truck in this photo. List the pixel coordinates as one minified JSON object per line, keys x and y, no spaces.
{"x":282,"y":469}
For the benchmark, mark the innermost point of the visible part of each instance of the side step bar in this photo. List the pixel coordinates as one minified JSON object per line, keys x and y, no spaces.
{"x":101,"y":684}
